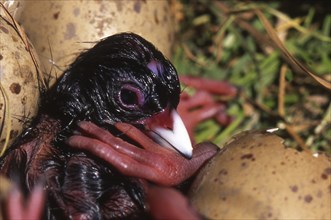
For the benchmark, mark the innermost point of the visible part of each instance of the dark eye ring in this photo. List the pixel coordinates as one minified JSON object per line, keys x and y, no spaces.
{"x":130,"y":96}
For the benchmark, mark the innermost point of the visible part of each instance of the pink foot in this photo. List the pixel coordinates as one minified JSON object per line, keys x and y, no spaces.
{"x":198,"y":108}
{"x":203,"y":105}
{"x":177,"y":205}
{"x":151,"y":162}
{"x":17,"y":208}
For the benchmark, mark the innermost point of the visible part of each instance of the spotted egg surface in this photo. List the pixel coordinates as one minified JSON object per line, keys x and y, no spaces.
{"x":256,"y":177}
{"x":70,"y":27}
{"x":19,"y":70}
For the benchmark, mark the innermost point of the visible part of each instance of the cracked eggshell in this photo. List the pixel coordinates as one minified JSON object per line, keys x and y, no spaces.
{"x":19,"y":69}
{"x":256,"y":177}
{"x":60,"y":30}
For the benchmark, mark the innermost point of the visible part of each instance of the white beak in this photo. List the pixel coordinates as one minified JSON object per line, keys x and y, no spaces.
{"x":177,"y":137}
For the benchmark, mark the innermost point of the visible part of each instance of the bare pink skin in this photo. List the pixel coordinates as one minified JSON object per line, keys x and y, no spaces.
{"x":177,"y":205}
{"x":17,"y":208}
{"x":155,"y":163}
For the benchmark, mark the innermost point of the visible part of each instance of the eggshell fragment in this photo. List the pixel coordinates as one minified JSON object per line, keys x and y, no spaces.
{"x":19,"y":85}
{"x":60,"y":30}
{"x":256,"y":177}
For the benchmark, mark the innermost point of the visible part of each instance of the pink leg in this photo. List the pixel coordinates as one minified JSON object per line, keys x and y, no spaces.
{"x":200,"y":98}
{"x":200,"y":107}
{"x":177,"y":205}
{"x":17,"y":208}
{"x":154,"y":163}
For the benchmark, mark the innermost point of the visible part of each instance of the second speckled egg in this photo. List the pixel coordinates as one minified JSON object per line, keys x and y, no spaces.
{"x":256,"y":177}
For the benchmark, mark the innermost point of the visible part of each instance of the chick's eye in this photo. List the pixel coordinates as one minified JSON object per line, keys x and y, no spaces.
{"x":130,"y":96}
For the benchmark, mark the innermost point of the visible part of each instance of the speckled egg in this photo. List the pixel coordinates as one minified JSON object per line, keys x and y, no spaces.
{"x":60,"y":30}
{"x":256,"y":177}
{"x":19,"y":85}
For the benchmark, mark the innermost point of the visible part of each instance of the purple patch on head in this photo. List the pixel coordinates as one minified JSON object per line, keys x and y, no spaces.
{"x":155,"y":67}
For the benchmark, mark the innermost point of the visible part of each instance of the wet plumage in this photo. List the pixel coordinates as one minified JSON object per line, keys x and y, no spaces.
{"x":123,"y":78}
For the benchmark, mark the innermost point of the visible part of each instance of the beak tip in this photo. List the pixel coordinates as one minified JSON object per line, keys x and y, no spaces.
{"x":188,"y":155}
{"x":178,"y":137}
